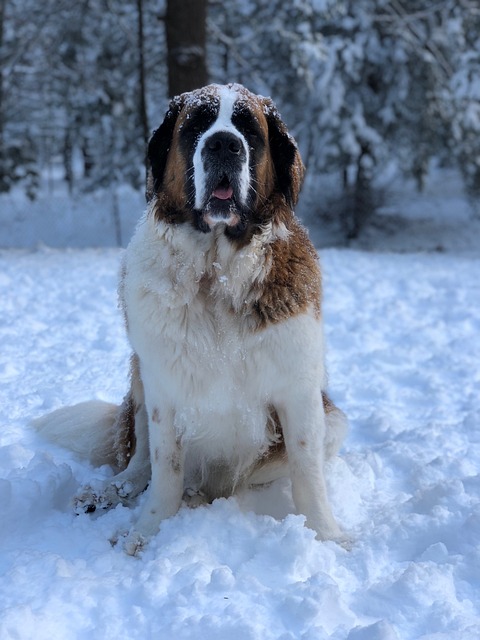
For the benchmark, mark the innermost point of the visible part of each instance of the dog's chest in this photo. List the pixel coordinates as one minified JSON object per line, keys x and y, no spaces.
{"x":196,"y":352}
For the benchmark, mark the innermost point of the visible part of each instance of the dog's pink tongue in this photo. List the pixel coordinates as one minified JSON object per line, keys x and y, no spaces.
{"x":223,"y":193}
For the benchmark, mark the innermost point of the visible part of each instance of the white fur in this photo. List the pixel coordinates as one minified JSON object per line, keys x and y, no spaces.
{"x":177,"y":333}
{"x":86,"y":429}
{"x":208,"y":381}
{"x":223,"y":122}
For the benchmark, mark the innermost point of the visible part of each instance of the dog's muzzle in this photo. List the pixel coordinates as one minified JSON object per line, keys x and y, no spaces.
{"x":222,"y":177}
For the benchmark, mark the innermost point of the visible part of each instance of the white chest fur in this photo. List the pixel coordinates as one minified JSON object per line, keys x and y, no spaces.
{"x":182,"y":293}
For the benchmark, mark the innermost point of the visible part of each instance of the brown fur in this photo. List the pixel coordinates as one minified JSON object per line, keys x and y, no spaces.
{"x":293,"y":284}
{"x":124,"y":428}
{"x":175,"y":171}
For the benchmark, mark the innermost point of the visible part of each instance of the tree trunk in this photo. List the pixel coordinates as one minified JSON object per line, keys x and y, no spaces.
{"x":357,"y":203}
{"x":68,"y":159}
{"x":3,"y":178}
{"x":186,"y":45}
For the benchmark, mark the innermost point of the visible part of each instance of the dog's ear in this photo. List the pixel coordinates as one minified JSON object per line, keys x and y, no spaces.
{"x":289,"y":169}
{"x":159,"y":146}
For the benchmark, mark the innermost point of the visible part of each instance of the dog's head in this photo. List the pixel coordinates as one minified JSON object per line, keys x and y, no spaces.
{"x":221,"y":156}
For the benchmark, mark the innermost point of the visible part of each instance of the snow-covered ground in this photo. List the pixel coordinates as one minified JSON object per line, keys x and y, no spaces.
{"x":404,"y":349}
{"x":105,"y":218}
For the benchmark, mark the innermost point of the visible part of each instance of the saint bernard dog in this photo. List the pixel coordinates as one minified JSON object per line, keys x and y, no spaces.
{"x":221,"y":293}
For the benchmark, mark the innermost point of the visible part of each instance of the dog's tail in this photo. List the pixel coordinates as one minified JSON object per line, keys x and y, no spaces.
{"x":336,"y":427}
{"x":89,"y":429}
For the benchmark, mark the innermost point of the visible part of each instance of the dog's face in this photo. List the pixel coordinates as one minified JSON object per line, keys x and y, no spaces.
{"x":220,"y":156}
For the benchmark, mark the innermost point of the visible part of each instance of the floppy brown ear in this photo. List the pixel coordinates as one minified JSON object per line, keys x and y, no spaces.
{"x":289,"y":169}
{"x":159,"y":146}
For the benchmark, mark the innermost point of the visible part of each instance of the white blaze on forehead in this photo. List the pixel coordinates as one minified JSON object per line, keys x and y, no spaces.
{"x":227,"y":96}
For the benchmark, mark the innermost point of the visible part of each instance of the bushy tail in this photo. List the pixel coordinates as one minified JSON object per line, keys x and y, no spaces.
{"x":336,"y":427}
{"x":87,"y":429}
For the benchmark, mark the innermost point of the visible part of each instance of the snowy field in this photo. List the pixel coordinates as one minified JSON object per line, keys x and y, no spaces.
{"x":404,"y":351}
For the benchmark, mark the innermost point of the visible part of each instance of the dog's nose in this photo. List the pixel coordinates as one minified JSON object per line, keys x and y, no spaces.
{"x":224,"y":142}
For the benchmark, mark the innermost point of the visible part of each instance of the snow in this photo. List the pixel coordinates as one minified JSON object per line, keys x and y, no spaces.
{"x":404,"y":345}
{"x":106,"y":217}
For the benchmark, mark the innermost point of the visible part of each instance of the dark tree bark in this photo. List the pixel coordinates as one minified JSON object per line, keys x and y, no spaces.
{"x":3,"y":180}
{"x":186,"y":45}
{"x":358,"y":201}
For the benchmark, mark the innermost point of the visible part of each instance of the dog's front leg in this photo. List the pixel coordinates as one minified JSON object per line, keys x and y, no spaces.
{"x":164,"y":494}
{"x":303,"y":422}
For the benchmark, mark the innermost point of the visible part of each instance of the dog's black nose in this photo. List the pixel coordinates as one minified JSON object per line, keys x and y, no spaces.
{"x":224,"y":142}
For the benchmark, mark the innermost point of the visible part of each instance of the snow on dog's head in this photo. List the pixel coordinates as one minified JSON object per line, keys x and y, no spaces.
{"x":222,"y":156}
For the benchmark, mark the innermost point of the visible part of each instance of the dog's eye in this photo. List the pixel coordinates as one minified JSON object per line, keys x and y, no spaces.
{"x":195,"y":126}
{"x":199,"y":121}
{"x":248,"y":125}
{"x":250,"y":132}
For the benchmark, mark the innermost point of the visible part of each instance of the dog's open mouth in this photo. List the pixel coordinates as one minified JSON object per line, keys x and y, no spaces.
{"x":224,"y":190}
{"x":221,"y":207}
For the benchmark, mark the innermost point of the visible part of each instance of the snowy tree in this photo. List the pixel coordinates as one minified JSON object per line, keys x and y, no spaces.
{"x":105,"y":119}
{"x":360,"y":84}
{"x":464,"y":94}
{"x":74,"y":86}
{"x":18,"y":130}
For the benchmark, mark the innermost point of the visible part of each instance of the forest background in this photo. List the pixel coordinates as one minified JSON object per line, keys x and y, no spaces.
{"x":369,"y":88}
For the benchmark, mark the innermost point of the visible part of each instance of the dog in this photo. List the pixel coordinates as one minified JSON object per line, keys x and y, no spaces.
{"x":221,"y":293}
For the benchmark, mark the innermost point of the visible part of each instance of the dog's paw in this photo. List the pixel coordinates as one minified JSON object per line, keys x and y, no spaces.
{"x":134,"y":543}
{"x":345,"y":541}
{"x":193,"y":498}
{"x":339,"y":537}
{"x":91,"y":498}
{"x":117,"y":536}
{"x":121,"y":489}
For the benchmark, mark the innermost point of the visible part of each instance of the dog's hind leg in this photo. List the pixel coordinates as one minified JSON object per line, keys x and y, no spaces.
{"x":127,"y":484}
{"x":302,"y":417}
{"x":130,"y":434}
{"x":274,"y":465}
{"x":166,"y":487}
